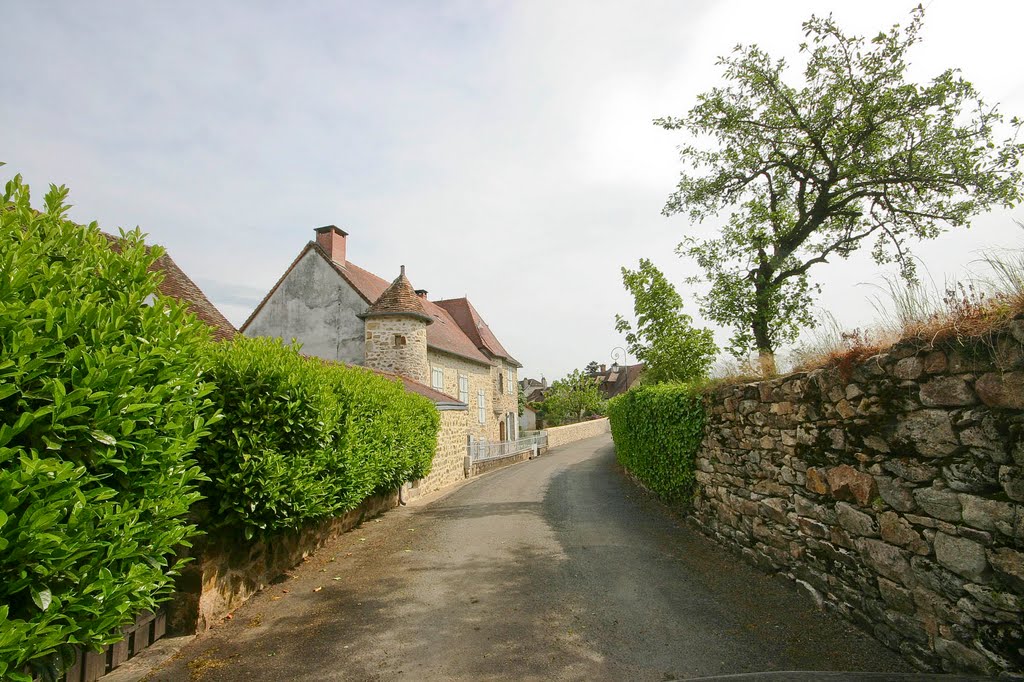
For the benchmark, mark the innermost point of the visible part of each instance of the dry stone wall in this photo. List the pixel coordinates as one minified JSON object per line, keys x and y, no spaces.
{"x":891,"y":490}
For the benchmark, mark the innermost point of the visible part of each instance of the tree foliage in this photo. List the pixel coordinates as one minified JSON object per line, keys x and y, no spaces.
{"x":855,"y":154}
{"x":572,"y":398}
{"x":664,"y":339}
{"x":101,"y":407}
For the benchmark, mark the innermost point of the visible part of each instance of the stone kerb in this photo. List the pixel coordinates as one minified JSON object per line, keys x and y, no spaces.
{"x":893,"y":493}
{"x":561,"y":435}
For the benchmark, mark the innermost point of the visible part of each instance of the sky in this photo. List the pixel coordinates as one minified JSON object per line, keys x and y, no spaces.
{"x":500,"y":150}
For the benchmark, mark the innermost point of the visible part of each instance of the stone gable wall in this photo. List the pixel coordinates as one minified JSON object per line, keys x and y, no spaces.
{"x":893,"y":491}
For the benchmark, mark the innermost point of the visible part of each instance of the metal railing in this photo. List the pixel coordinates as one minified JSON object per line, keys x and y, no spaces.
{"x":482,"y":451}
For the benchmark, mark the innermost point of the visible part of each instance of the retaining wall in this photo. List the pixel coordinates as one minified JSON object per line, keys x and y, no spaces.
{"x":891,"y":490}
{"x":227,"y":569}
{"x":560,"y":435}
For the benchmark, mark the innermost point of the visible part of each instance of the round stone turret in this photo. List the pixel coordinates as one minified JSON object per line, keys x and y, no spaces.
{"x":396,"y":332}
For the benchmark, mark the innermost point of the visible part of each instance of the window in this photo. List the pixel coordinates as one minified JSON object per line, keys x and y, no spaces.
{"x":464,"y":389}
{"x":437,"y":378}
{"x":481,"y":406}
{"x":501,"y":382}
{"x":509,"y":382}
{"x":399,"y":340}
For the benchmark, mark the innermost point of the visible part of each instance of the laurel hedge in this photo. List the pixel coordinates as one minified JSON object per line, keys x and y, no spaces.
{"x":101,"y":406}
{"x":303,"y":439}
{"x":657,"y":431}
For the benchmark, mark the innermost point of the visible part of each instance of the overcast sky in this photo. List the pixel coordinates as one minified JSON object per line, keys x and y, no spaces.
{"x":500,"y":150}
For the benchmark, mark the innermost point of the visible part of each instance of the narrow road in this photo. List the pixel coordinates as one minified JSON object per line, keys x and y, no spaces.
{"x":554,"y":569}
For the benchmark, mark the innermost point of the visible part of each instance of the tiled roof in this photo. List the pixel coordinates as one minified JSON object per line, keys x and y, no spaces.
{"x":475,"y":328}
{"x":411,"y":385}
{"x":399,"y":299}
{"x":444,"y":335}
{"x":177,"y":284}
{"x":613,"y":382}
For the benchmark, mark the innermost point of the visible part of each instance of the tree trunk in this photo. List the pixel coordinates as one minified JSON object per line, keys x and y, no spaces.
{"x":759,"y":325}
{"x":766,"y":363}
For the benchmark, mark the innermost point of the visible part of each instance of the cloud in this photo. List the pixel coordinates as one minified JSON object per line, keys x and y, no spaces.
{"x":499,"y":150}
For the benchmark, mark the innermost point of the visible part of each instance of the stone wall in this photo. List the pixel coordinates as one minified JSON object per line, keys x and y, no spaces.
{"x":449,"y":465}
{"x":398,"y":343}
{"x":560,"y":435}
{"x":891,"y":490}
{"x":226,"y":569}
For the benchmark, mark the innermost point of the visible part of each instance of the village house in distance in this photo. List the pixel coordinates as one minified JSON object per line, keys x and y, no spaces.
{"x":340,"y":312}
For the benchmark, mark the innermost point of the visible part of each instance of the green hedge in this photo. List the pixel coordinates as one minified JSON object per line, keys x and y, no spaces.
{"x":304,"y":439}
{"x":101,"y":405}
{"x":657,"y":431}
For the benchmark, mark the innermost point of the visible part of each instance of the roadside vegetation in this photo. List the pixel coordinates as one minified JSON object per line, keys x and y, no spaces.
{"x":118,"y":414}
{"x":816,"y":168}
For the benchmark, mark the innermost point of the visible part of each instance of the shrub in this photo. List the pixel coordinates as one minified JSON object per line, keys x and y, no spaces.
{"x":100,"y":407}
{"x":657,"y":431}
{"x":305,"y":439}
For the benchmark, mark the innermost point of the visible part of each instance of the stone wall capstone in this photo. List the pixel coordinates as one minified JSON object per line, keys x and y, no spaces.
{"x":891,"y":490}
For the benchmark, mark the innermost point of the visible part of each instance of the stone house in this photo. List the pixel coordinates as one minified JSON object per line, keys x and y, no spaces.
{"x":617,"y":379}
{"x":341,"y":312}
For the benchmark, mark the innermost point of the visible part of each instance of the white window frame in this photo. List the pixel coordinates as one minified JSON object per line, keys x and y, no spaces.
{"x":508,"y":380}
{"x":464,"y":388}
{"x":437,"y":378}
{"x":481,"y":406}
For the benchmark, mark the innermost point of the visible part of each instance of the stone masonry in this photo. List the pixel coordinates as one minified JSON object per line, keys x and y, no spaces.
{"x":892,"y":490}
{"x":448,"y":466}
{"x":398,"y":344}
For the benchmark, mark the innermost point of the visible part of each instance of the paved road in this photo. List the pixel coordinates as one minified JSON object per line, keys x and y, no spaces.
{"x":554,"y":569}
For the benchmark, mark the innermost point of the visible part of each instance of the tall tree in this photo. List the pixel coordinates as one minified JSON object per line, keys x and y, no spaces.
{"x":592,"y":367}
{"x":810,"y":172}
{"x":572,"y":397}
{"x":664,"y":338}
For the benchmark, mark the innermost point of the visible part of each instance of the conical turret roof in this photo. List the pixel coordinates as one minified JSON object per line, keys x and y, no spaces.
{"x":399,"y":299}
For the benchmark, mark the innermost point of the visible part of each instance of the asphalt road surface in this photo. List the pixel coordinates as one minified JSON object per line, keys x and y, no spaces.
{"x":554,"y":569}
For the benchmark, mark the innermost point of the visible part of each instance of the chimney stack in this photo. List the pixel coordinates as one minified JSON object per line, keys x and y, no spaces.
{"x":602,"y":369}
{"x":332,"y":240}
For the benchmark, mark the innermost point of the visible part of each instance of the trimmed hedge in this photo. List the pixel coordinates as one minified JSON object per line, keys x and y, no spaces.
{"x":303,"y":439}
{"x":657,"y":431}
{"x":101,"y":405}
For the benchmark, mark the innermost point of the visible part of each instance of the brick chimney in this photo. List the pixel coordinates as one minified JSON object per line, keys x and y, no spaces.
{"x":332,"y":240}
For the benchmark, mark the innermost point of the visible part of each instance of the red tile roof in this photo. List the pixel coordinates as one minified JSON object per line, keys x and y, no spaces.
{"x":475,"y":328}
{"x":177,"y":284}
